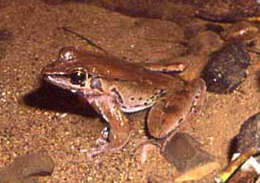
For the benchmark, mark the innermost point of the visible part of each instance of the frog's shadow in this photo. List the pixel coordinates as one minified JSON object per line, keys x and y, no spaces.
{"x":49,"y":97}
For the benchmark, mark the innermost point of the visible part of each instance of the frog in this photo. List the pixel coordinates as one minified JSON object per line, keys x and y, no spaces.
{"x":115,"y":88}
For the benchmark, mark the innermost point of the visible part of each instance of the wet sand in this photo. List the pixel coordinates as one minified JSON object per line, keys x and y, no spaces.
{"x":35,"y":115}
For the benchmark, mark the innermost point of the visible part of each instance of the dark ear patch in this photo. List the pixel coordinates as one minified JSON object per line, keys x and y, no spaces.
{"x":96,"y":84}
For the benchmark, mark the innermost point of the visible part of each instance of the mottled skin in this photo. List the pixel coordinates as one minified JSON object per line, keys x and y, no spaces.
{"x":114,"y":87}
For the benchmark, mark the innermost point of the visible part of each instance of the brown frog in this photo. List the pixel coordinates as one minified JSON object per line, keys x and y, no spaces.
{"x":114,"y":87}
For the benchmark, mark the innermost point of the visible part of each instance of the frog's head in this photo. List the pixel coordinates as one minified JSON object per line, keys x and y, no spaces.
{"x":68,"y":72}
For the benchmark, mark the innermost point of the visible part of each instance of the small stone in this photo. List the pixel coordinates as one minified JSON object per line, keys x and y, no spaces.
{"x":184,"y":152}
{"x":226,"y":68}
{"x":249,"y":135}
{"x":246,"y":144}
{"x":26,"y":168}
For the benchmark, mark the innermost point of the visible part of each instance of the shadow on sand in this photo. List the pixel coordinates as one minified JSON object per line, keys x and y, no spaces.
{"x":56,"y":99}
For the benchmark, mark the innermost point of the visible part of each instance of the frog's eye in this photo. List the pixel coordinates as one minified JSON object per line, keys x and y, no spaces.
{"x":78,"y":77}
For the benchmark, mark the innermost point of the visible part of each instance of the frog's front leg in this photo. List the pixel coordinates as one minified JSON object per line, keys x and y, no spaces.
{"x":119,"y":133}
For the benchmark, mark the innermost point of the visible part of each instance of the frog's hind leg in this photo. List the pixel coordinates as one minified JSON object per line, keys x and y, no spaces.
{"x":120,"y":129}
{"x":166,"y":115}
{"x":176,"y":108}
{"x":187,"y":67}
{"x":169,"y":113}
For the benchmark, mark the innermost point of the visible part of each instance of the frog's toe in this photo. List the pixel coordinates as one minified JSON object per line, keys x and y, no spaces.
{"x":106,"y":143}
{"x":98,"y":150}
{"x":106,"y":147}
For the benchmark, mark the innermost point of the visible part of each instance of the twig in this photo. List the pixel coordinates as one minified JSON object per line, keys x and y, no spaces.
{"x":84,"y":38}
{"x":234,"y":165}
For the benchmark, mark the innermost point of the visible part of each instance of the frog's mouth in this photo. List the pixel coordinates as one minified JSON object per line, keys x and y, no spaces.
{"x":63,"y":81}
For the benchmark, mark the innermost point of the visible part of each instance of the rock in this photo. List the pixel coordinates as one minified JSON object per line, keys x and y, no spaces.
{"x":192,"y":163}
{"x":247,"y":145}
{"x":26,"y":168}
{"x":249,"y":135}
{"x":226,"y":68}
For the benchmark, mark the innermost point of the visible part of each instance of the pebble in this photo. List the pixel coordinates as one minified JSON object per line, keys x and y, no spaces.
{"x":226,"y":68}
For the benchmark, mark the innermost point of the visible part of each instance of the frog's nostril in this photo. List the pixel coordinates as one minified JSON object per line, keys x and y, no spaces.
{"x":180,"y":120}
{"x":96,"y":84}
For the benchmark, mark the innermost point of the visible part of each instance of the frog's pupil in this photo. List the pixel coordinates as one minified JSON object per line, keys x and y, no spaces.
{"x":78,"y":77}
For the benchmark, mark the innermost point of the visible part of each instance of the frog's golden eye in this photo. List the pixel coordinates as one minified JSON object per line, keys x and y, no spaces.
{"x":78,"y":77}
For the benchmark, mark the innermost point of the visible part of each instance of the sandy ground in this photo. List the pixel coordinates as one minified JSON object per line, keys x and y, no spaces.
{"x":35,"y":115}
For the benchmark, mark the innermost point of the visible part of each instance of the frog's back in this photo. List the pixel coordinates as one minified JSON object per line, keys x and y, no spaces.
{"x":114,"y":68}
{"x":110,"y":68}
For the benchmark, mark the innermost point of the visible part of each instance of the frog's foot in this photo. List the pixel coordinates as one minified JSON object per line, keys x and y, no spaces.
{"x":117,"y":137}
{"x":105,"y":147}
{"x":95,"y":151}
{"x":106,"y":143}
